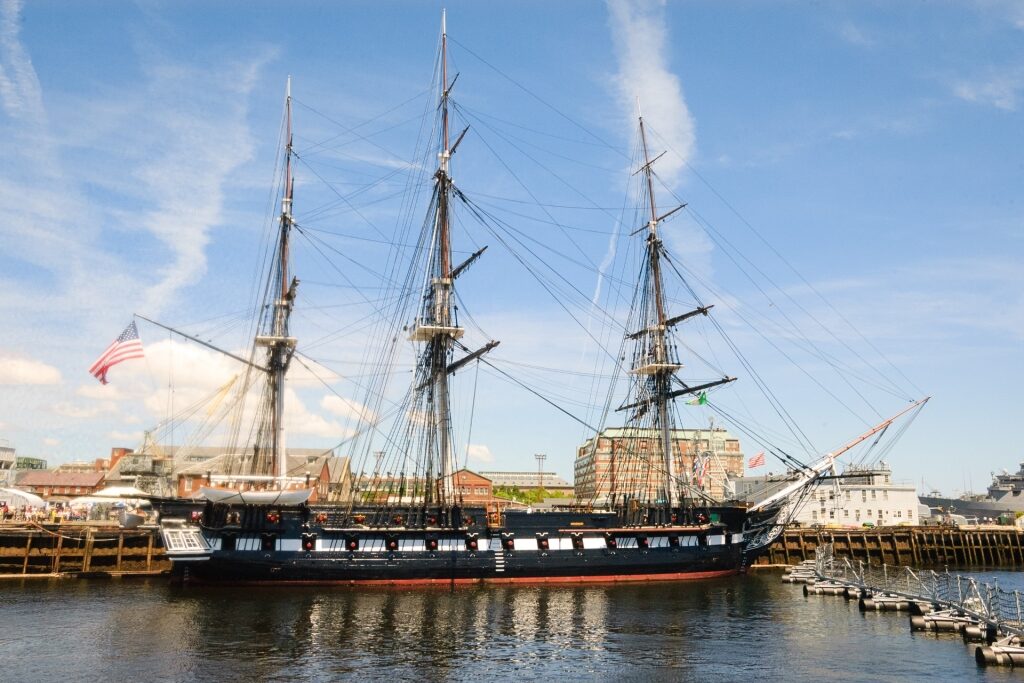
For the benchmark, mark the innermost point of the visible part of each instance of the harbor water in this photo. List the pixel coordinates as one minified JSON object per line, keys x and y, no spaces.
{"x":743,"y":628}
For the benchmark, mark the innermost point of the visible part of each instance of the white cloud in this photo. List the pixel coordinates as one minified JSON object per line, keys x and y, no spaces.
{"x":187,"y":165}
{"x":103,"y":392}
{"x":209,"y":384}
{"x":50,"y":441}
{"x":299,"y":420}
{"x":480,"y":453}
{"x":347,"y":408}
{"x":1001,"y":90}
{"x":125,"y":437}
{"x":854,"y":35}
{"x":19,"y":86}
{"x":640,"y":34}
{"x":19,"y":370}
{"x":1010,"y":10}
{"x":66,"y":409}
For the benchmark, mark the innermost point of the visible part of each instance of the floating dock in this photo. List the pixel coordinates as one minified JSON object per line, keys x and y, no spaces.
{"x":939,"y":602}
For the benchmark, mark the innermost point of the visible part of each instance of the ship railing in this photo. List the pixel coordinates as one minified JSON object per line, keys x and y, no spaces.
{"x":984,"y":601}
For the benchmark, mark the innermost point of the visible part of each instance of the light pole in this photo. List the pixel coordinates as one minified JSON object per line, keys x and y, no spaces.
{"x":541,"y":457}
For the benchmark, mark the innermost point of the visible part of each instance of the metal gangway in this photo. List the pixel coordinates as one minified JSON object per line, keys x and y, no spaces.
{"x":938,"y":601}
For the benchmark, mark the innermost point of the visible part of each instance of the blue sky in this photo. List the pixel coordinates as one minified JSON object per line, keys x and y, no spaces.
{"x":876,"y":146}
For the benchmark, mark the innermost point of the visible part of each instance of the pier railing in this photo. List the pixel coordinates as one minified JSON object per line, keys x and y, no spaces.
{"x":986,"y":602}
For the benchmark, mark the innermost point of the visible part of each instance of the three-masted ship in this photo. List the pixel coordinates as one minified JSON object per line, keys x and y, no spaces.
{"x":415,"y":527}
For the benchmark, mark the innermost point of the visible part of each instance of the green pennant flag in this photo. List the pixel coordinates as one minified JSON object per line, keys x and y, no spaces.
{"x":701,"y":400}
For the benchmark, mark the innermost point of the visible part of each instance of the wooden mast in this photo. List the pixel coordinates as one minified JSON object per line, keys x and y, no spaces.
{"x":279,"y":344}
{"x":436,"y":326}
{"x":659,"y":367}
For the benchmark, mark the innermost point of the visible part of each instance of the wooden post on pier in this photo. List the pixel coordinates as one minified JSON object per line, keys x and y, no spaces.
{"x":896,"y":549}
{"x":915,"y":556}
{"x":149,"y":554}
{"x":28,"y":549}
{"x":87,"y":556}
{"x":57,"y":553}
{"x":120,"y":549}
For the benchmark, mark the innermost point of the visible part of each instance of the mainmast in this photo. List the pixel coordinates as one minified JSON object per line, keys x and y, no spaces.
{"x":437,"y":326}
{"x":279,"y":345}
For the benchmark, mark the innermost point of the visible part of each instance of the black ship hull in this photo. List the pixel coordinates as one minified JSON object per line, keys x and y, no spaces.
{"x":256,"y":546}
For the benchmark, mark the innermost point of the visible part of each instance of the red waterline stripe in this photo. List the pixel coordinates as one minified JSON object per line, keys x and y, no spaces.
{"x":599,"y":578}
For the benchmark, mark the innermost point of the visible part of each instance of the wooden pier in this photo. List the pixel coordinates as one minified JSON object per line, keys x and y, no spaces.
{"x":77,"y":550}
{"x":924,"y":546}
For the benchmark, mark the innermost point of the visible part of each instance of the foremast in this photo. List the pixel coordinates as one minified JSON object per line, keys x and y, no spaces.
{"x":280,"y":346}
{"x":655,"y":359}
{"x":436,"y":326}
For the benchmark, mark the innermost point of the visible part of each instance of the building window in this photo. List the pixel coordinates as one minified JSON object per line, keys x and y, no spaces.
{"x":814,"y":514}
{"x":869,"y":513}
{"x":910,"y":514}
{"x":879,"y":514}
{"x":874,"y":494}
{"x":847,"y":495}
{"x":864,"y":496}
{"x":885,"y":495}
{"x":831,"y":514}
{"x":846,"y":513}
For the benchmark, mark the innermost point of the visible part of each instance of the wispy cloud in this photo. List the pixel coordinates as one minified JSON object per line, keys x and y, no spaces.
{"x":639,"y":33}
{"x":855,"y":35}
{"x":1009,"y":10}
{"x":1000,"y":89}
{"x":190,"y":162}
{"x":19,"y":370}
{"x":19,"y":86}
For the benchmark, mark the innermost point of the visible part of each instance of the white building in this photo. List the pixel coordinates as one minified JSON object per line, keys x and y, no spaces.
{"x":860,"y":496}
{"x":8,"y":461}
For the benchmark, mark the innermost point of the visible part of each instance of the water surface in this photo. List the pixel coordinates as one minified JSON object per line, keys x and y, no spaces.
{"x":738,"y":629}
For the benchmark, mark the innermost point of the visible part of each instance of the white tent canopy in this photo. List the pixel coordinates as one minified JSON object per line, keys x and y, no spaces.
{"x":16,"y":498}
{"x":112,"y":495}
{"x":121,"y":492}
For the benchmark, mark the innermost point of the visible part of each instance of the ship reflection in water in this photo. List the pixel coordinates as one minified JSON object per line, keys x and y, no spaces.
{"x":723,"y":630}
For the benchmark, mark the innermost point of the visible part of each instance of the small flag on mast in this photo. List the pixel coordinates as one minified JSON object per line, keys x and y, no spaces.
{"x":756,"y":461}
{"x":701,"y":400}
{"x":126,"y":347}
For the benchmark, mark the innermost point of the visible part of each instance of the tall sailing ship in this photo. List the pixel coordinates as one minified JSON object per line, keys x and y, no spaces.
{"x":411,"y":524}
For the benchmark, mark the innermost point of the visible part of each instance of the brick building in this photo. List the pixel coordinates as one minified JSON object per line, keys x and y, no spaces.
{"x":50,"y":483}
{"x":631,"y":458}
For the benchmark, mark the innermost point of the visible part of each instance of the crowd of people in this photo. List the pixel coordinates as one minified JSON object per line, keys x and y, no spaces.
{"x":52,"y":513}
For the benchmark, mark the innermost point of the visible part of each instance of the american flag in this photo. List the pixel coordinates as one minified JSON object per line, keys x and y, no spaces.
{"x":756,"y":461}
{"x":125,"y":347}
{"x":700,"y":469}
